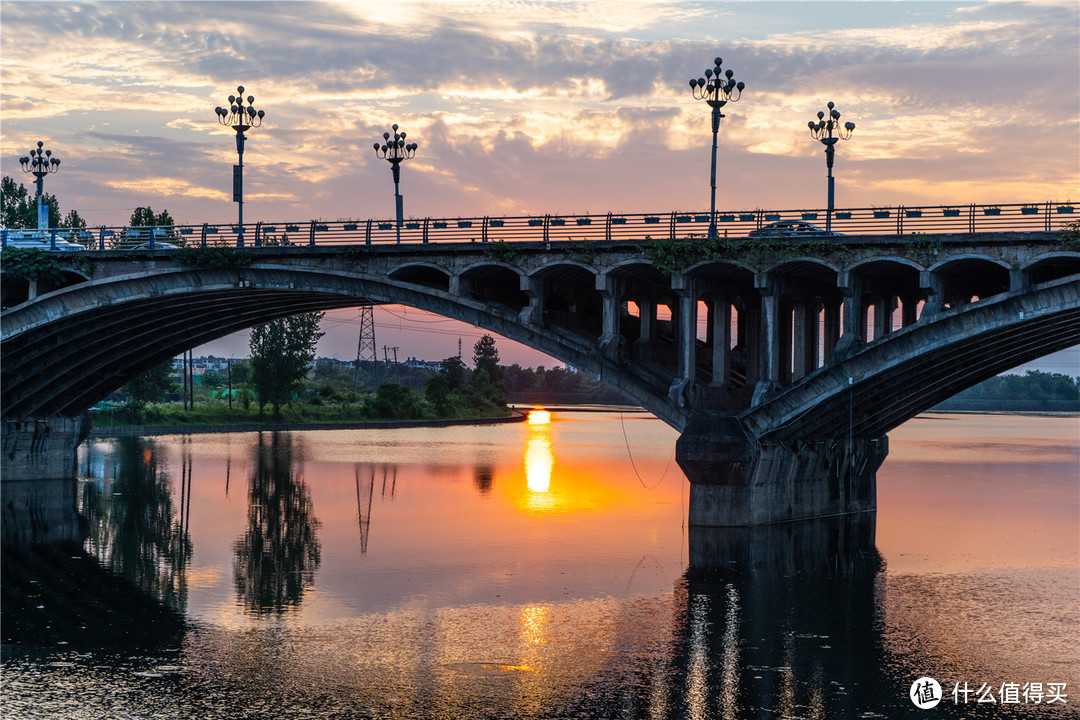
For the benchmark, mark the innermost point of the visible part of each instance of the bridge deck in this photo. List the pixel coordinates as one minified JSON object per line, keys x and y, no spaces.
{"x":900,"y":220}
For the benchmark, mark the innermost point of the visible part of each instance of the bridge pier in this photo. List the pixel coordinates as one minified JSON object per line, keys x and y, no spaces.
{"x":739,"y":481}
{"x":38,"y":471}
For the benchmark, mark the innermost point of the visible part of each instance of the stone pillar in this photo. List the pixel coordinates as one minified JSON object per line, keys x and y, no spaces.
{"x":750,"y":341}
{"x":784,"y":330}
{"x":685,"y":337}
{"x":721,"y":339}
{"x":533,"y":313}
{"x":807,"y":336}
{"x":611,"y":343}
{"x":931,"y":284}
{"x":851,"y":288}
{"x":768,"y":348}
{"x":1018,"y":280}
{"x":883,"y":307}
{"x":832,"y":329}
{"x":647,"y":319}
{"x":909,"y":310}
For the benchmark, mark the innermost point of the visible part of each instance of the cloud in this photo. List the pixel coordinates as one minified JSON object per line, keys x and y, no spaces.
{"x":580,"y":105}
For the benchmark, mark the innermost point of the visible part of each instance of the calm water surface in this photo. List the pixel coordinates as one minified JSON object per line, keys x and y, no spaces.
{"x":540,"y":571}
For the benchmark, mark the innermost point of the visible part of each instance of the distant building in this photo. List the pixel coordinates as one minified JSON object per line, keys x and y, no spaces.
{"x":423,"y":364}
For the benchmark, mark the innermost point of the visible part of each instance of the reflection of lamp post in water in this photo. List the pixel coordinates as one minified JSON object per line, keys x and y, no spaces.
{"x":240,"y":118}
{"x":395,"y":151}
{"x":823,"y":130}
{"x":40,"y":166}
{"x":716,"y":89}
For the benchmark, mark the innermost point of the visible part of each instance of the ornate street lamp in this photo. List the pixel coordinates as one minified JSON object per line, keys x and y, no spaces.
{"x":823,"y":130}
{"x":717,"y":89}
{"x":395,"y":151}
{"x":40,"y":163}
{"x":240,"y":118}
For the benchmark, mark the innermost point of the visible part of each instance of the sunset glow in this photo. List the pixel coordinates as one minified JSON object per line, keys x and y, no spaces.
{"x":535,"y":107}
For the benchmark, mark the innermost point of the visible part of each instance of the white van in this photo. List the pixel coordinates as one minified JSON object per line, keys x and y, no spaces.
{"x":38,"y":239}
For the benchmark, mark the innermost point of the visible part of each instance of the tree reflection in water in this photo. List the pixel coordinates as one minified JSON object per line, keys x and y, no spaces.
{"x":277,"y":557}
{"x":134,"y":528}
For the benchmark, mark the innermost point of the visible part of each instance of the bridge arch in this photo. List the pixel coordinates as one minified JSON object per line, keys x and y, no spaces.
{"x":15,"y":290}
{"x":494,"y":282}
{"x":964,"y":277}
{"x":886,"y":260}
{"x":71,"y":348}
{"x":425,"y":274}
{"x":1045,"y":267}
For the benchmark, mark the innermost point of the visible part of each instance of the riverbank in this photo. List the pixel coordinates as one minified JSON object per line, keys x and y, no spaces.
{"x":148,"y":430}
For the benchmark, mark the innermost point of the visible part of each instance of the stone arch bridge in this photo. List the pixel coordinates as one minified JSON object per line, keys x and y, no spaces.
{"x":783,"y":364}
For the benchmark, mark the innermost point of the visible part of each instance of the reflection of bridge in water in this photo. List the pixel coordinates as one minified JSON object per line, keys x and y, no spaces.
{"x":783,"y":362}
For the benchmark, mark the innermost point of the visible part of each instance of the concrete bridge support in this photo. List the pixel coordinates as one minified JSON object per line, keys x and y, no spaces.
{"x":37,"y":480}
{"x":738,"y":481}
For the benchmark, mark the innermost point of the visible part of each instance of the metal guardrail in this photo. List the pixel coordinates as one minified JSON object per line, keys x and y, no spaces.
{"x":887,"y":221}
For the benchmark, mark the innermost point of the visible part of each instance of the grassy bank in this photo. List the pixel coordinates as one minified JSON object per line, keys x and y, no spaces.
{"x":219,"y":414}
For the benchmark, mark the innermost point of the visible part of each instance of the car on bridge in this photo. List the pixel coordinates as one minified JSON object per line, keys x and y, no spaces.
{"x":39,"y":240}
{"x":791,"y":229}
{"x":158,"y":245}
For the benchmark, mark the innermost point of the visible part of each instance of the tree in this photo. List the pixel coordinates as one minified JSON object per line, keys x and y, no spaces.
{"x":395,"y":401}
{"x":212,"y":379}
{"x":72,"y":220}
{"x":152,"y":385}
{"x":486,"y":357}
{"x":19,"y":206}
{"x":16,"y":209}
{"x":145,"y":217}
{"x":437,"y":392}
{"x":281,"y":352}
{"x":454,"y":370}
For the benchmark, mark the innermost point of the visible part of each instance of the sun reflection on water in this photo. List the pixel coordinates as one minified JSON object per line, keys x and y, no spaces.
{"x":538,"y":416}
{"x":539,"y":459}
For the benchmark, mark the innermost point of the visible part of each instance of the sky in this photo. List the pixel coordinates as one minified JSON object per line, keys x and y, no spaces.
{"x":528,"y":107}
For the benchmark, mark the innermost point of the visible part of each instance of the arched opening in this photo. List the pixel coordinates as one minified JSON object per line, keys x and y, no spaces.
{"x":423,"y":275}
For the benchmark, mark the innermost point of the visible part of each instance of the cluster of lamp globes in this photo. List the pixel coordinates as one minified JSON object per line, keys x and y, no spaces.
{"x":238,"y":114}
{"x":717,"y":87}
{"x":823,"y":129}
{"x":37,"y":164}
{"x":396,"y":148}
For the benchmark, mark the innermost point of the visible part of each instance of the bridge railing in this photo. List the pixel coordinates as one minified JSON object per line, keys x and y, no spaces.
{"x":885,"y":221}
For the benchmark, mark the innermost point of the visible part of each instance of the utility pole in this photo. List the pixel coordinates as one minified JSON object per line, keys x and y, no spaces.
{"x":394,"y":350}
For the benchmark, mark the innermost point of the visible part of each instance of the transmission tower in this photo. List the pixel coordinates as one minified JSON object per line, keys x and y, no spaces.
{"x":365,"y":346}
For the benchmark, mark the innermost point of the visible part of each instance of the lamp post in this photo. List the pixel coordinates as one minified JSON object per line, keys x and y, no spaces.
{"x":40,"y":163}
{"x":717,"y":89}
{"x":823,"y":130}
{"x":395,"y":151}
{"x":240,"y":118}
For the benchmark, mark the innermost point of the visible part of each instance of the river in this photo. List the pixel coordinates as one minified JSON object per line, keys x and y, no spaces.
{"x":540,"y":570}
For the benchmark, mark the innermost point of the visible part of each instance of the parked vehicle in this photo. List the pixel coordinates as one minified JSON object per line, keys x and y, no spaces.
{"x":158,"y":245}
{"x":791,"y":228}
{"x":39,"y":240}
